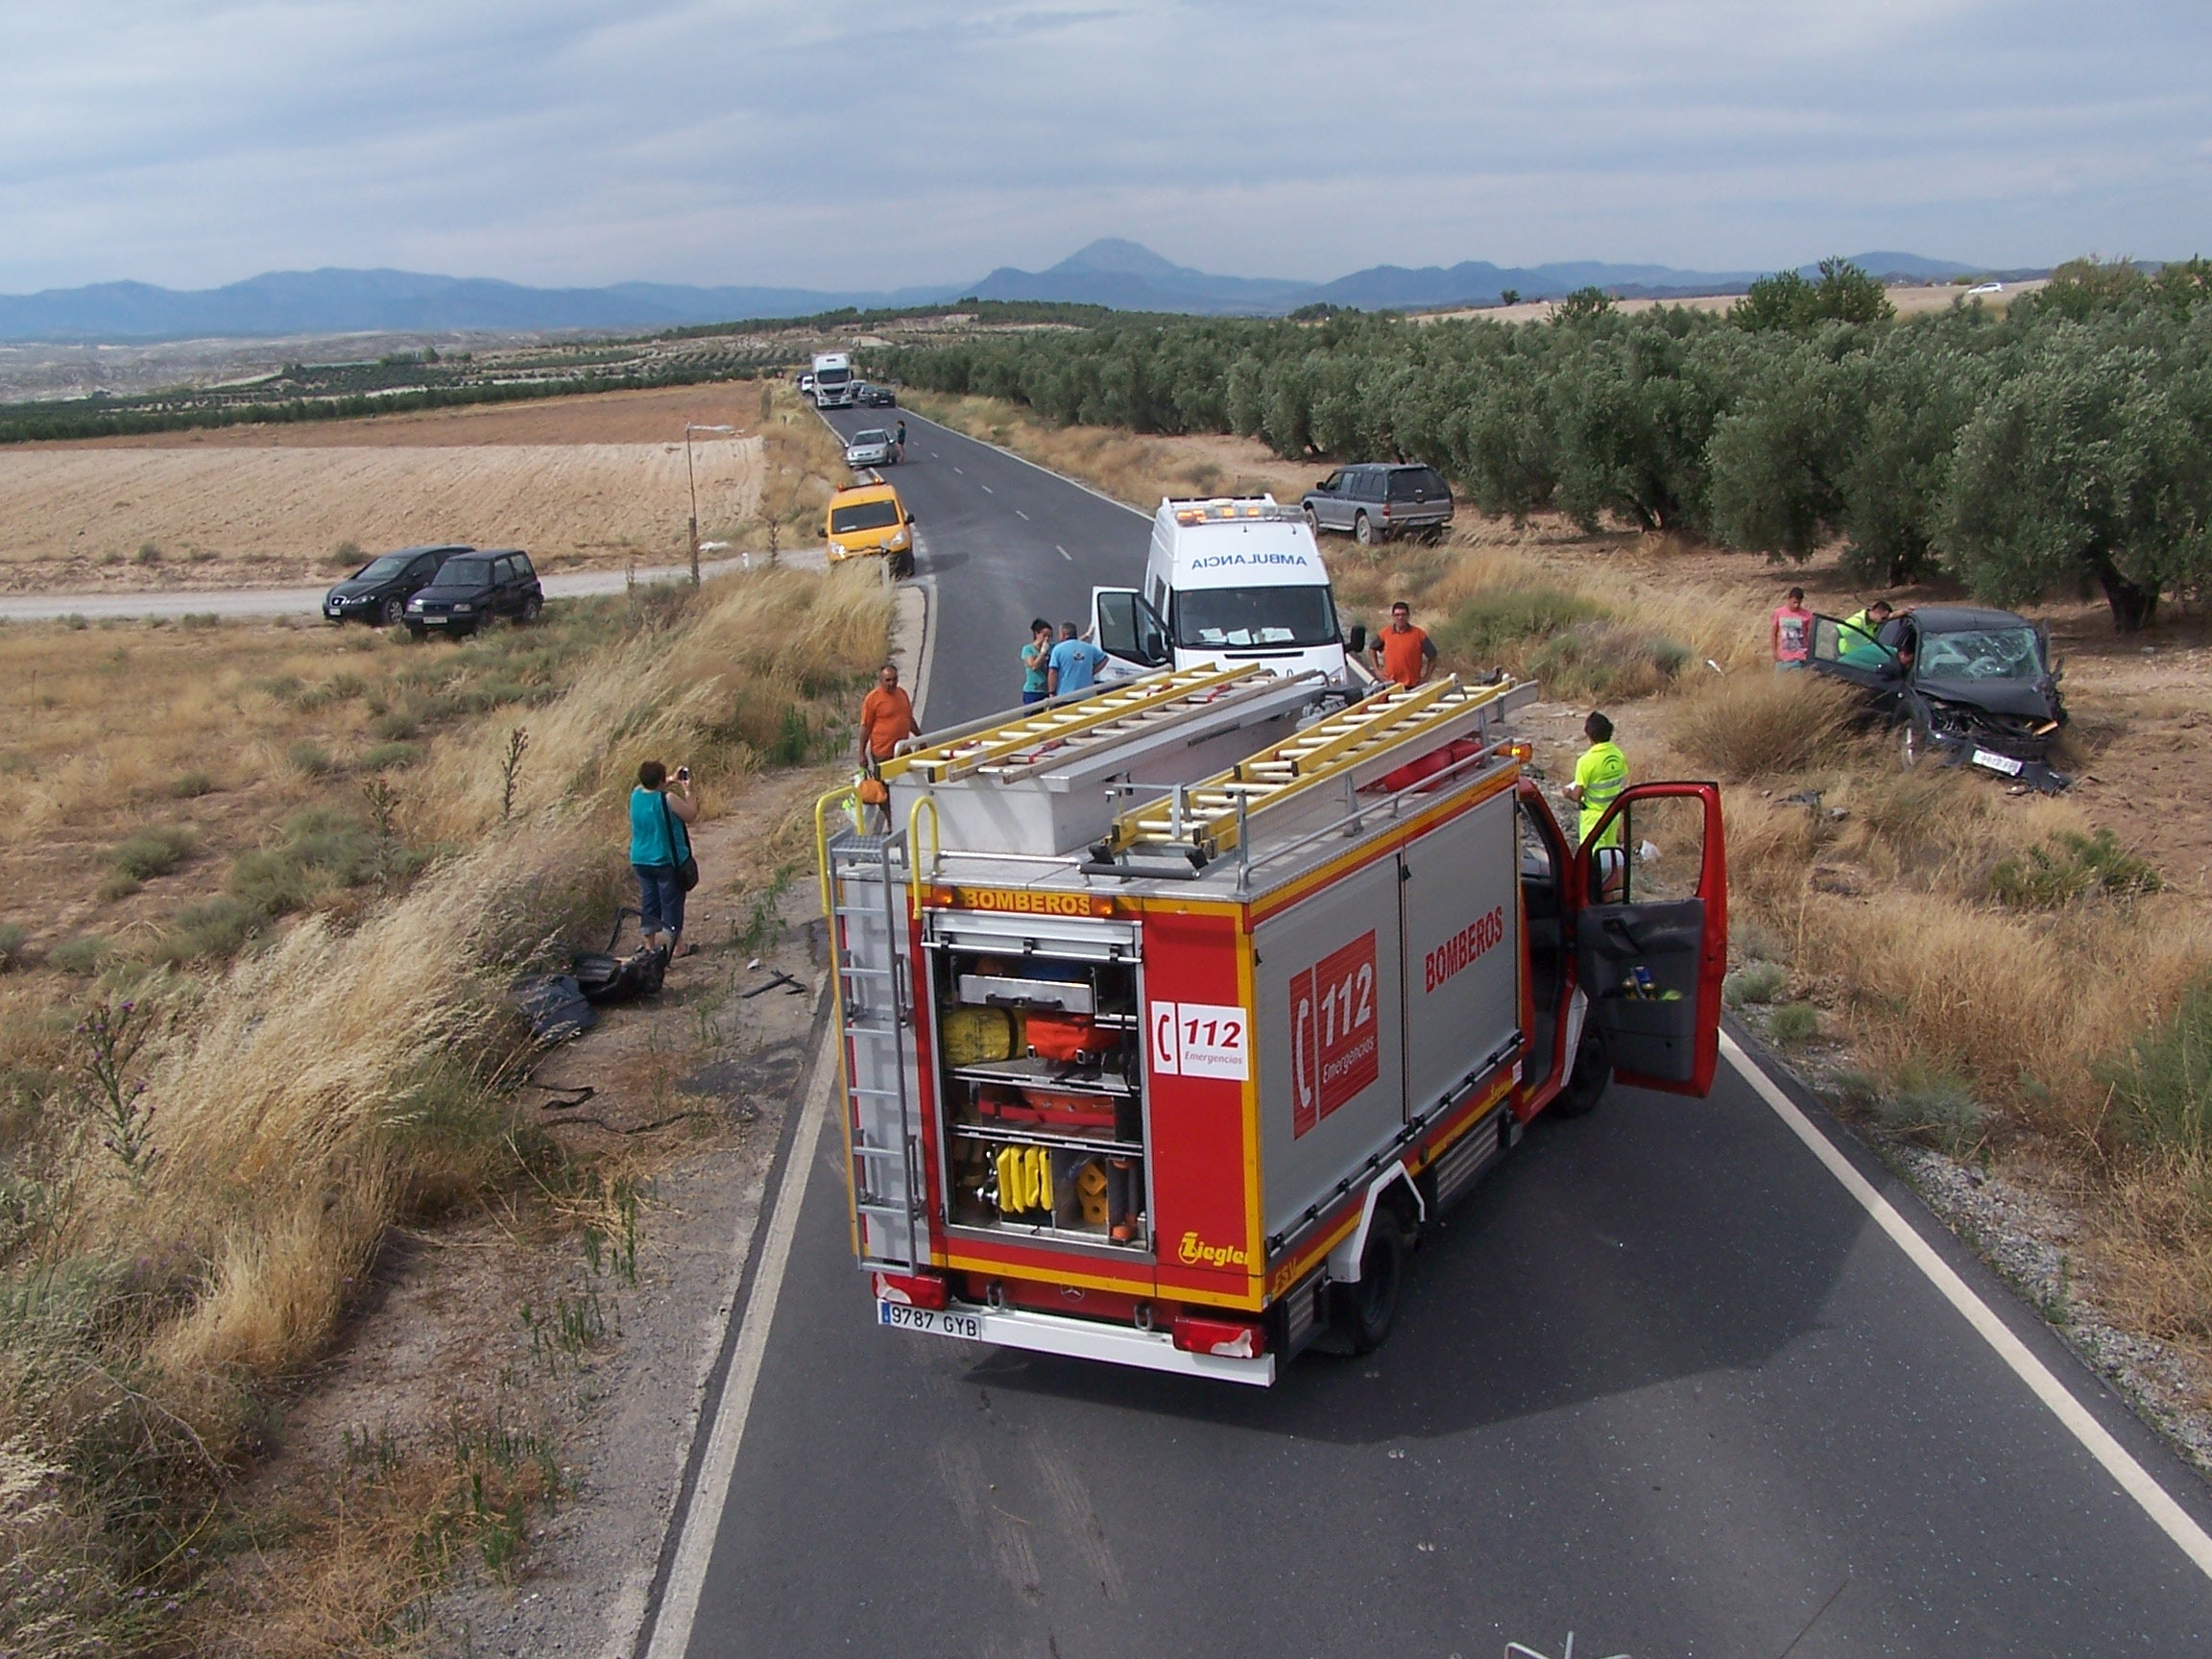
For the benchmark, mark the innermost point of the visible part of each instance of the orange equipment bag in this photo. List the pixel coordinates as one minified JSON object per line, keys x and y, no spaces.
{"x":1068,"y":1036}
{"x":874,"y":791}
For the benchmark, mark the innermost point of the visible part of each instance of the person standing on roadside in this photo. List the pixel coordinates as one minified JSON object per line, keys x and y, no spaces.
{"x":1789,"y":631}
{"x":1074,"y":663}
{"x":659,"y":843}
{"x":900,"y":437}
{"x":1600,"y":777}
{"x":1400,"y":652}
{"x":1037,"y":662}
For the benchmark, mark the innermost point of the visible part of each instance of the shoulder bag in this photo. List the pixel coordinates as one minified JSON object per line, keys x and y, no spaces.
{"x":686,"y":867}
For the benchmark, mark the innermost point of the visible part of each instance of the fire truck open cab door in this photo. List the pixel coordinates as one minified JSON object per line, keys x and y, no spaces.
{"x":1651,"y":933}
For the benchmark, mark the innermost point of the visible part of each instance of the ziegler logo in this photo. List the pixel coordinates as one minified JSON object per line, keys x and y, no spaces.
{"x":1195,"y":1252}
{"x":1463,"y":949}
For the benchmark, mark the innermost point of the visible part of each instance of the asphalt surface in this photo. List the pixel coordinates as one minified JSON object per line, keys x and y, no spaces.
{"x":243,"y":602}
{"x":1659,"y":1382}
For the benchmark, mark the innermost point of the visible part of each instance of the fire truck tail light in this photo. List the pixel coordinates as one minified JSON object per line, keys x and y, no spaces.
{"x":1227,"y":1337}
{"x":913,"y":1289}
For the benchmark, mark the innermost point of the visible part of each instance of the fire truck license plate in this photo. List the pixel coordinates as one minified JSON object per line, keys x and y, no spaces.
{"x":928,"y":1319}
{"x":2004,"y":763}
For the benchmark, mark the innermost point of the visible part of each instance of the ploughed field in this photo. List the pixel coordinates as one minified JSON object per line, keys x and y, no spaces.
{"x":576,"y":481}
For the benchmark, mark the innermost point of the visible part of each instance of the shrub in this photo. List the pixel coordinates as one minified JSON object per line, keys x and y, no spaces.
{"x":310,"y":759}
{"x":391,"y":756}
{"x":15,"y":946}
{"x":200,"y":619}
{"x":191,"y":786}
{"x":398,"y":726}
{"x":75,"y":623}
{"x":1753,"y":982}
{"x":1497,"y":619}
{"x":794,"y":740}
{"x":1605,"y":660}
{"x":1794,"y":1024}
{"x":151,"y":852}
{"x":82,"y":955}
{"x":147,"y":554}
{"x":2162,"y":1087}
{"x":347,"y":555}
{"x":212,"y":930}
{"x":2070,"y":865}
{"x":116,"y":885}
{"x":1932,"y":1107}
{"x":1754,"y":725}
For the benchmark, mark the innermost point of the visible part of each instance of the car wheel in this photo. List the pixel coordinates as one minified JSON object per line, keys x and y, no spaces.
{"x":1363,"y":531}
{"x":392,"y":611}
{"x":1587,"y":1079}
{"x":1366,"y":1310}
{"x":1312,"y":519}
{"x":532,"y":608}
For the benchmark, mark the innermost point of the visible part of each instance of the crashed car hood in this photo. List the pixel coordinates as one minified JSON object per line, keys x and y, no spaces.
{"x":2037,"y":701}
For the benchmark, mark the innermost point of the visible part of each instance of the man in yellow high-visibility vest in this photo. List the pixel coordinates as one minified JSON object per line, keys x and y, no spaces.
{"x":1600,"y":777}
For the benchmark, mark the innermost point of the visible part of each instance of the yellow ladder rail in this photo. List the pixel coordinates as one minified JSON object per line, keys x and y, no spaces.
{"x":1204,"y":819}
{"x":1129,"y":702}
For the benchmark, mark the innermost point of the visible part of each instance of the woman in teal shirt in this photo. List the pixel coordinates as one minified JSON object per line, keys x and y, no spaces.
{"x":660,"y":841}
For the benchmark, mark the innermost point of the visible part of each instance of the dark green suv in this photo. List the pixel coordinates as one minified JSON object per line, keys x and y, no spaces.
{"x":472,"y":589}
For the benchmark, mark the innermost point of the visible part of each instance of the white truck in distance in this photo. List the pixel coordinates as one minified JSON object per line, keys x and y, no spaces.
{"x":1234,"y":582}
{"x":832,"y":380}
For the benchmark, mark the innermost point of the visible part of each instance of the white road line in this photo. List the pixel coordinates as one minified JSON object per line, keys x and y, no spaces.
{"x":702,"y":1520}
{"x":986,"y":489}
{"x":962,"y":472}
{"x":2134,"y":1480}
{"x":1018,"y":514}
{"x":1062,"y":552}
{"x":1025,"y":460}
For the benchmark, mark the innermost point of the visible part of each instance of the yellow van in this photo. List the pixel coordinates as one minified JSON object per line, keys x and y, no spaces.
{"x":870,"y":519}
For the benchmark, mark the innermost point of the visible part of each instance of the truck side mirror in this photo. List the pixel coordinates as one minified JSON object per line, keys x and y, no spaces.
{"x":1357,"y":643}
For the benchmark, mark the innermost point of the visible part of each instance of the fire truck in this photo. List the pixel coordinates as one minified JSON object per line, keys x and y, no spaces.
{"x":1168,"y":1015}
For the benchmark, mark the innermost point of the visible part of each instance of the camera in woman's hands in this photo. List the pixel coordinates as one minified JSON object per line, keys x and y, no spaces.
{"x":682,"y":774}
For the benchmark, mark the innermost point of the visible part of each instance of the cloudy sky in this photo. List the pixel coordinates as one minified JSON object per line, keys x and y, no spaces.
{"x":831,"y":144}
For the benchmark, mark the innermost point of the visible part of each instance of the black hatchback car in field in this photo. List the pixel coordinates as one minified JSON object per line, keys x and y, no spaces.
{"x":1964,"y":684}
{"x":473,"y":588}
{"x":378,"y":592}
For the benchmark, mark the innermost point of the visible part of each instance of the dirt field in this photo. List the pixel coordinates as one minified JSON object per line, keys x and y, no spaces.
{"x":578,"y":481}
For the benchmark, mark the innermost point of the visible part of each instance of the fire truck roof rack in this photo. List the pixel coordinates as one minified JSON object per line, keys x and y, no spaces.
{"x":1181,"y":833}
{"x":1058,"y":735}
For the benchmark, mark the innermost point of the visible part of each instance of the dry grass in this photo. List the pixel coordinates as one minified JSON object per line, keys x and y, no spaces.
{"x":1754,"y":725}
{"x":353,"y":1072}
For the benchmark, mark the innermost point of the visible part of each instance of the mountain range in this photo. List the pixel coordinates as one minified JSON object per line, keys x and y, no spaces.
{"x":1124,"y":274}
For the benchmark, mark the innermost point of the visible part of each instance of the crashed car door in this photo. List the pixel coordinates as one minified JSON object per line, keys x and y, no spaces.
{"x":1853,"y":654}
{"x":1651,"y":954}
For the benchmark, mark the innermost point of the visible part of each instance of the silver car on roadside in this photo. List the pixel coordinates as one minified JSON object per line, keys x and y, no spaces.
{"x":872,"y":448}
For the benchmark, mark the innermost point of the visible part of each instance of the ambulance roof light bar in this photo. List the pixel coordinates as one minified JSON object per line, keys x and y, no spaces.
{"x":1222,"y":509}
{"x":1201,"y":822}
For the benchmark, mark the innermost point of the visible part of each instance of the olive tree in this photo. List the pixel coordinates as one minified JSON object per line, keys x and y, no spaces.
{"x":2088,"y":465}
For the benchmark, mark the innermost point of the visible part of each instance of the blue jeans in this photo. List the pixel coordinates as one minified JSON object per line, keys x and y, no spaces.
{"x":659,"y":900}
{"x":1030,"y":697}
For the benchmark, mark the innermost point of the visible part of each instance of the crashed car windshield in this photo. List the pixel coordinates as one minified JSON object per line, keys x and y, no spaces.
{"x":1982,"y":654}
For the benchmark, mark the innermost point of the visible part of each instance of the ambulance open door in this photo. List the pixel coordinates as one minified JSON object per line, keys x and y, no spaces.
{"x":1651,"y":933}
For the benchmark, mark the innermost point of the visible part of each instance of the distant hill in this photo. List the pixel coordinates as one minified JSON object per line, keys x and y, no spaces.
{"x":1124,"y":274}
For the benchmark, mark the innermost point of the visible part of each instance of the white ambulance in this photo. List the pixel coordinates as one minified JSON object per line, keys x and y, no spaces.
{"x":1230,"y":582}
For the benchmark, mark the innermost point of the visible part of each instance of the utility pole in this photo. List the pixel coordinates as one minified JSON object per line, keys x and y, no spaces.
{"x":691,"y":477}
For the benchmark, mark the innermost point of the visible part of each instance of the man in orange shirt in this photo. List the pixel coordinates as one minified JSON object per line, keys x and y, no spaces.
{"x":886,"y":718}
{"x":1403,"y":652}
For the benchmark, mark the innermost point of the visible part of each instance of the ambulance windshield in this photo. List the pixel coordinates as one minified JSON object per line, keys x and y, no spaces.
{"x":1255,"y":617}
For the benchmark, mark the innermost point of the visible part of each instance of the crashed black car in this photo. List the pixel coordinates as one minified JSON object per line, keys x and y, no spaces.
{"x":1961,"y":684}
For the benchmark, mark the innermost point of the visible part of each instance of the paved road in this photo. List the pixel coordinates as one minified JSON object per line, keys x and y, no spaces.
{"x":242,"y":602}
{"x":1660,"y":1383}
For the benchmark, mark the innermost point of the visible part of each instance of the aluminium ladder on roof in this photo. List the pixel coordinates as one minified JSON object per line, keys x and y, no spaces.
{"x":1082,"y":726}
{"x":1202,"y":820}
{"x":875,"y":1032}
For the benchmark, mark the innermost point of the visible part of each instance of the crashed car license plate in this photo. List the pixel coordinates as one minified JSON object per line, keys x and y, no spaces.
{"x":2004,"y":763}
{"x":901,"y":1317}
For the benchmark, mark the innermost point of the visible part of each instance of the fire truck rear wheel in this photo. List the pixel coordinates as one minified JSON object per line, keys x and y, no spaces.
{"x":1586,"y":1083}
{"x":1366,"y":1310}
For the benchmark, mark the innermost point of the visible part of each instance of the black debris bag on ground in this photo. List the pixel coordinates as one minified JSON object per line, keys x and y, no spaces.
{"x":606,"y":979}
{"x":555,"y":1005}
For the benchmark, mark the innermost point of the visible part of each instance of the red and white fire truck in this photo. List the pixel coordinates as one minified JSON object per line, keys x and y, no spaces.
{"x":1167,"y":1015}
